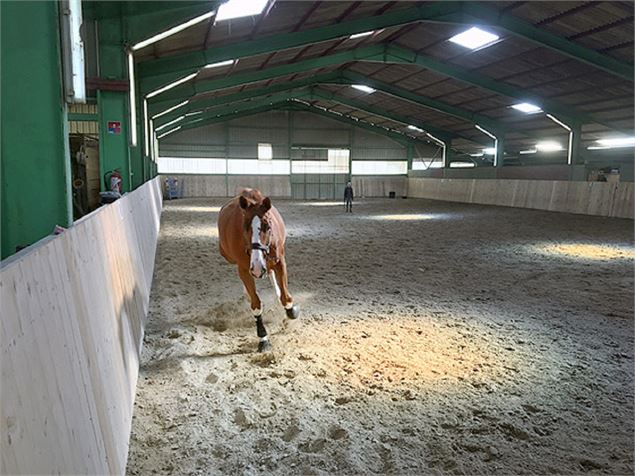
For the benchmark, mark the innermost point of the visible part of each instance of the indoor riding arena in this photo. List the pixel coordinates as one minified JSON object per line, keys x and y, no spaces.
{"x":317,"y":238}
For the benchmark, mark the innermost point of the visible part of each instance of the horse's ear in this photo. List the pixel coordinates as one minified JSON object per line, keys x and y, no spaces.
{"x":266,"y":204}
{"x":243,"y":202}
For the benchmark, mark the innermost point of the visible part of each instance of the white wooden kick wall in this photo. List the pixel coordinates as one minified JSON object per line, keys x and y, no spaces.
{"x":73,"y":312}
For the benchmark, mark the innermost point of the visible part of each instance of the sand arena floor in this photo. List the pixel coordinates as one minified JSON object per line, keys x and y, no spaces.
{"x":434,"y":338}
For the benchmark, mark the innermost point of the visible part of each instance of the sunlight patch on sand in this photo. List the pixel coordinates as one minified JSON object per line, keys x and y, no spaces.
{"x":408,"y":217}
{"x":190,"y":208}
{"x":584,"y":251}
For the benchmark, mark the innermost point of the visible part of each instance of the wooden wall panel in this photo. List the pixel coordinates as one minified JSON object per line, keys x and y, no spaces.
{"x":73,"y":312}
{"x":587,"y":198}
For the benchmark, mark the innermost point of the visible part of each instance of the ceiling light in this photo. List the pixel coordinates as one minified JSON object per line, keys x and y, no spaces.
{"x":474,"y":38}
{"x":240,"y":8}
{"x":168,"y":132}
{"x":181,"y":104}
{"x":461,"y":165}
{"x":167,"y":124}
{"x":219,"y":64}
{"x":528,"y":151}
{"x":548,"y":146}
{"x":527,"y":108}
{"x":172,"y":31}
{"x":618,"y":142}
{"x":364,"y":88}
{"x":415,"y":128}
{"x":489,"y":150}
{"x":171,"y":85}
{"x":361,"y":35}
{"x":478,"y":154}
{"x":193,"y":113}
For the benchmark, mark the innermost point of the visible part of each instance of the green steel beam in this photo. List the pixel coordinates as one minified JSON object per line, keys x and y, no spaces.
{"x":478,"y":12}
{"x":230,"y":116}
{"x":386,"y":54}
{"x":82,"y":117}
{"x":402,"y":139}
{"x":190,"y":88}
{"x":317,"y":94}
{"x":254,"y":107}
{"x":286,"y":93}
{"x":204,"y":103}
{"x":192,"y":61}
{"x":236,"y":108}
{"x":345,"y":77}
{"x":447,"y":12}
{"x":350,"y":77}
{"x":398,"y":54}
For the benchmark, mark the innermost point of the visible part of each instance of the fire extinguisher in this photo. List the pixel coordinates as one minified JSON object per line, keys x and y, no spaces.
{"x":113,"y":180}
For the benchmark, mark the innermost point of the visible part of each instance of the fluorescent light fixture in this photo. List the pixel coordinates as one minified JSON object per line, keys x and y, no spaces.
{"x":73,"y":52}
{"x":617,"y":142}
{"x":485,"y":131}
{"x":442,"y":144}
{"x":474,"y":38}
{"x":167,"y":111}
{"x":219,"y":64}
{"x":171,"y":85}
{"x":415,"y":128}
{"x":489,"y":150}
{"x":240,"y":8}
{"x":570,"y":145}
{"x":168,"y":124}
{"x":361,"y":35}
{"x":559,"y":122}
{"x":172,"y":31}
{"x":489,"y":134}
{"x":461,"y":165}
{"x":188,"y":114}
{"x":146,"y":136}
{"x":478,"y":154}
{"x":528,"y":151}
{"x":526,"y":107}
{"x":548,"y":146}
{"x":168,"y":132}
{"x":362,"y":87}
{"x":132,"y":100}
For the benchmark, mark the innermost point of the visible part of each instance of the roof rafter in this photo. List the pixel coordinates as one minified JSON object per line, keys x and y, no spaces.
{"x":166,"y":69}
{"x":255,"y":107}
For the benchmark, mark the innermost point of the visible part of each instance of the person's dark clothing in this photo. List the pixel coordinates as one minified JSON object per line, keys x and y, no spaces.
{"x":348,"y":198}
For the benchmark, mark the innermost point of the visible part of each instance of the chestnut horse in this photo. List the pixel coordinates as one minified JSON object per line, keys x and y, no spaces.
{"x":251,"y":235}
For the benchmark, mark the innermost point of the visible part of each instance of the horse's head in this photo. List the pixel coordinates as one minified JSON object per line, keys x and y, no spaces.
{"x":257,"y":233}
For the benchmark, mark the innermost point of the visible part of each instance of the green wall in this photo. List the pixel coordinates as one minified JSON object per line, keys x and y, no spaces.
{"x":35,"y":166}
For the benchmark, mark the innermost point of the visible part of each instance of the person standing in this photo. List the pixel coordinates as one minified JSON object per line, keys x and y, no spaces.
{"x":348,"y":197}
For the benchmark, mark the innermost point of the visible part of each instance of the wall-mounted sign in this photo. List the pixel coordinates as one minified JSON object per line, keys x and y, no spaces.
{"x":114,"y":127}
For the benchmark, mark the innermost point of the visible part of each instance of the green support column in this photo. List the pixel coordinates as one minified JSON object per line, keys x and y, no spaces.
{"x":114,"y":152}
{"x":35,"y":168}
{"x":577,"y":156}
{"x":500,"y":150}
{"x":113,"y":142}
{"x":409,"y":155}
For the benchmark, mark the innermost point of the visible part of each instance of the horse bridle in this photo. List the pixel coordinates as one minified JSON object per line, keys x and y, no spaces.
{"x":261,"y":247}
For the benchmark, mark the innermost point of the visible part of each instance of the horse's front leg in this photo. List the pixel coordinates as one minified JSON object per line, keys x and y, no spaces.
{"x":292,"y":310}
{"x":256,"y":307}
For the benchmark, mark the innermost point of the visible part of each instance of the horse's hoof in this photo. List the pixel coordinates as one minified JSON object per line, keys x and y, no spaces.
{"x":264,"y":346}
{"x":293,"y":313}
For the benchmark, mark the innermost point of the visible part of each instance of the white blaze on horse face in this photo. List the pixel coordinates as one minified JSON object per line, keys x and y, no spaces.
{"x":257,"y":265}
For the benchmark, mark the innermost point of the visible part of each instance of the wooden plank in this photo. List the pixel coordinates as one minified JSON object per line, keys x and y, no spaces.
{"x":73,"y":313}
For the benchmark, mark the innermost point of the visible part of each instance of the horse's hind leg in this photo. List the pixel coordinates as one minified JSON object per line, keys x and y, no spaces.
{"x":293,"y":311}
{"x":256,"y":308}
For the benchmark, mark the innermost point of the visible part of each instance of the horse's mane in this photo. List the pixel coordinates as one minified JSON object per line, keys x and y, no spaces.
{"x":251,"y":194}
